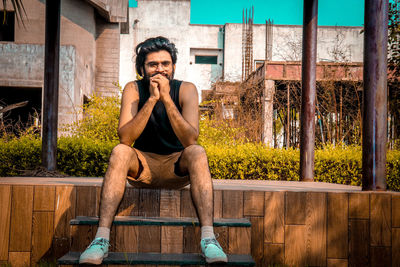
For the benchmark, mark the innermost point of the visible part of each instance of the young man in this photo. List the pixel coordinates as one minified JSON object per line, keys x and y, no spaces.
{"x":160,"y":116}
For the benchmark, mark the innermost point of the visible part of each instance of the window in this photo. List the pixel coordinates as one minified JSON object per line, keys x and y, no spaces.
{"x":7,"y":28}
{"x":206,"y":59}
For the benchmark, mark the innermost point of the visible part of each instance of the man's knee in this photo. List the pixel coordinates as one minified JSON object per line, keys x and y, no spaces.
{"x":121,"y":153}
{"x":194,"y":152}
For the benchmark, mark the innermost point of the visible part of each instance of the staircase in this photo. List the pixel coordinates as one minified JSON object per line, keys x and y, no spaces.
{"x":159,"y":240}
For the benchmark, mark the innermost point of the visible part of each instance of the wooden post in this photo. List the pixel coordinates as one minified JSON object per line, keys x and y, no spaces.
{"x":308,"y":92}
{"x":374,"y":131}
{"x":288,"y":118}
{"x":50,"y":94}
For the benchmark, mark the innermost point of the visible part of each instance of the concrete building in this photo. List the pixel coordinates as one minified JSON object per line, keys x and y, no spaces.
{"x":210,"y":53}
{"x":171,"y":18}
{"x":97,"y":49}
{"x":89,"y":54}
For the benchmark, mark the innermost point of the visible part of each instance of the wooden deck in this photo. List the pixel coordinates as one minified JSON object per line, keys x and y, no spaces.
{"x":218,"y":184}
{"x":293,"y":223}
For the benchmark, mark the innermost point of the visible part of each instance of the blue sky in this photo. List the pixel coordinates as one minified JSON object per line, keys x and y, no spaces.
{"x":330,"y":12}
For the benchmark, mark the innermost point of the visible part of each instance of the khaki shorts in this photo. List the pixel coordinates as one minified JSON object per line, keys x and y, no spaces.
{"x":158,"y":171}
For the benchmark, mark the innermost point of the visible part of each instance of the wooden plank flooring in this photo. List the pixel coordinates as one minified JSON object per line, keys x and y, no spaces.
{"x":5,"y":214}
{"x":253,"y":203}
{"x":295,"y":208}
{"x":381,"y":220}
{"x":21,"y":219}
{"x":65,"y":210}
{"x":338,"y":226}
{"x":361,"y":228}
{"x":44,"y":198}
{"x":42,"y":234}
{"x":316,"y":229}
{"x":359,"y":243}
{"x":274,"y":219}
{"x":232,"y":204}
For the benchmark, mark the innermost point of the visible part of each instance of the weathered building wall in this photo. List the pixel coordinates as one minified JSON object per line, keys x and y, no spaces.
{"x":335,"y":44}
{"x":78,"y":28}
{"x":107,"y":58}
{"x":16,"y":70}
{"x":171,"y":18}
{"x":154,"y":17}
{"x":90,"y":46}
{"x":77,"y":20}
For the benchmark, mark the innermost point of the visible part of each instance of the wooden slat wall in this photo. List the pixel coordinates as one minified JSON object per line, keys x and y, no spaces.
{"x":338,"y":228}
{"x":5,"y":214}
{"x":299,"y":228}
{"x":316,"y":229}
{"x":171,"y":236}
{"x":21,"y":218}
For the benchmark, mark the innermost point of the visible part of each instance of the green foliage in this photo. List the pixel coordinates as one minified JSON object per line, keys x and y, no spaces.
{"x":332,"y":165}
{"x":99,"y":119}
{"x":213,"y":132}
{"x":83,"y":156}
{"x":393,"y":170}
{"x":75,"y":156}
{"x":394,"y":38}
{"x":19,"y":154}
{"x":89,"y":157}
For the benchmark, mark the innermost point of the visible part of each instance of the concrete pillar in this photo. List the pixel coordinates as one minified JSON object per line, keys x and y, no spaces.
{"x":268,"y":111}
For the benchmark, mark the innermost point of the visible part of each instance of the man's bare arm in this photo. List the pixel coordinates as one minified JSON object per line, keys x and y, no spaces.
{"x":132,"y":122}
{"x":185,"y":125}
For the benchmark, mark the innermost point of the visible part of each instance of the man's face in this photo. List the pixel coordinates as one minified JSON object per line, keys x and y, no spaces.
{"x":159,"y":63}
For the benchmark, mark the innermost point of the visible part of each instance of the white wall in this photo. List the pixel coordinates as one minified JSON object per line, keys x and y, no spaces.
{"x":339,"y":44}
{"x":171,"y":18}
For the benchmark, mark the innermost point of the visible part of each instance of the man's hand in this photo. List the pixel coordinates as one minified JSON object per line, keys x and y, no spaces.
{"x":154,"y":90}
{"x":162,"y":85}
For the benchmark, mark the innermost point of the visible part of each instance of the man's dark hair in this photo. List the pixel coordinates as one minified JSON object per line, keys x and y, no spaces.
{"x":153,"y":45}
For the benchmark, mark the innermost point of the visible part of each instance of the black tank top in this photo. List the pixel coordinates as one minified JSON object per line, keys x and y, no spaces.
{"x":158,"y":135}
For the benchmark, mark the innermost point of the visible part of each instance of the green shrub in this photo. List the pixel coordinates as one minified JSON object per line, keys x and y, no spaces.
{"x":89,"y":157}
{"x":213,"y":132}
{"x":20,"y":154}
{"x":99,"y":119}
{"x":332,"y":165}
{"x":75,"y":156}
{"x":83,"y":156}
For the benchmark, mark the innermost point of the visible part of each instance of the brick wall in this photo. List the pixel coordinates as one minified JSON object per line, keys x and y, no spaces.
{"x":107,"y":57}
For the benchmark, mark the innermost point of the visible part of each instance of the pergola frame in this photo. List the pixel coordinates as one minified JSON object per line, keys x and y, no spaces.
{"x":374,"y":93}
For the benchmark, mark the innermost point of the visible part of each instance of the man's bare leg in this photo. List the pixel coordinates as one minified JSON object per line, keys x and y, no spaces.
{"x":194,"y":161}
{"x":123,"y":159}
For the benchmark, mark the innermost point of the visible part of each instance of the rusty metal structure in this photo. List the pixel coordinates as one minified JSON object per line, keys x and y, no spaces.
{"x":51,"y":83}
{"x":247,"y":42}
{"x":308,"y":94}
{"x":374,"y":134}
{"x":268,"y":39}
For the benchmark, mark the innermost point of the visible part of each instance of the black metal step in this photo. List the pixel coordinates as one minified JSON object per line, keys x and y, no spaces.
{"x":165,"y":221}
{"x":122,"y":258}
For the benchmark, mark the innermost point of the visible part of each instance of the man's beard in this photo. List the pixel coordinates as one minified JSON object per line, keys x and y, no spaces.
{"x":146,"y":77}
